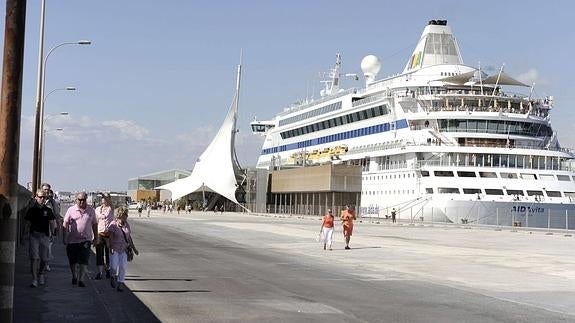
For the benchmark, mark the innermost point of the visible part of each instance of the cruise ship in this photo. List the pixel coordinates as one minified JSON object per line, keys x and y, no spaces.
{"x":441,"y":141}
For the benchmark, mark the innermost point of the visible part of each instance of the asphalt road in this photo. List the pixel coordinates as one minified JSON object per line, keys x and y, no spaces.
{"x":208,"y":268}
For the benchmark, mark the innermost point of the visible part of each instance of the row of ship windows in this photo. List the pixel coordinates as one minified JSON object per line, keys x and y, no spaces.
{"x":496,"y":191}
{"x":548,"y":177}
{"x":313,"y":113}
{"x":495,"y":126}
{"x":487,"y":191}
{"x":366,"y":131}
{"x":338,"y":121}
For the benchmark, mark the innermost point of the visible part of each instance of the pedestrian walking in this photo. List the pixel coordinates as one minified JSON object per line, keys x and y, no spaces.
{"x":105,"y":216}
{"x":393,"y":213}
{"x":54,"y":205}
{"x":149,"y":209}
{"x":40,"y":224}
{"x":81,"y":226}
{"x":121,"y":245}
{"x":140,"y":208}
{"x":327,"y":230}
{"x":347,"y":217}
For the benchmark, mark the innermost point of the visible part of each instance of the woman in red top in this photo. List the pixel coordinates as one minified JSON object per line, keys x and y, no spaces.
{"x":347,"y":217}
{"x":327,"y":230}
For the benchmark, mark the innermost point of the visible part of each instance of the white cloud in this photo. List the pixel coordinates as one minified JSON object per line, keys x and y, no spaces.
{"x":127,"y":128}
{"x":529,"y":77}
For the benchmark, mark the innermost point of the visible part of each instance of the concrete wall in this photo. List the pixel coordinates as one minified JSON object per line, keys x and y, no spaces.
{"x":323,"y":178}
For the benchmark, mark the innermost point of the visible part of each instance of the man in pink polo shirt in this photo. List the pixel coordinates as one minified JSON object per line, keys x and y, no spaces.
{"x":81,"y":225}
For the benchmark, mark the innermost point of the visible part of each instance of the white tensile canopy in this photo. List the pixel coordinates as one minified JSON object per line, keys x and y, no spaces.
{"x":215,"y":169}
{"x":503,"y":79}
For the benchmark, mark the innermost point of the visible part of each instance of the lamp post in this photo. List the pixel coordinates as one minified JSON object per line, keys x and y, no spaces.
{"x":39,"y":126}
{"x":40,"y":154}
{"x":45,"y":131}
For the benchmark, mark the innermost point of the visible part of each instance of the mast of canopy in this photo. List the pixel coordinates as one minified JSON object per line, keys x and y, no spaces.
{"x":480,"y":79}
{"x":204,"y":203}
{"x":237,"y":103}
{"x":493,"y":100}
{"x":497,"y":81}
{"x":238,"y":81}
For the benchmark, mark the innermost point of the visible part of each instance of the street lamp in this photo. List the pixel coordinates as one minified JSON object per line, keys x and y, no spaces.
{"x":68,"y":88}
{"x":41,"y":139}
{"x":40,"y":98}
{"x":45,"y":131}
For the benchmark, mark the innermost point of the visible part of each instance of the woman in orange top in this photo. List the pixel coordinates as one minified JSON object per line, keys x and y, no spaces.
{"x":327,"y":229}
{"x":347,"y":217}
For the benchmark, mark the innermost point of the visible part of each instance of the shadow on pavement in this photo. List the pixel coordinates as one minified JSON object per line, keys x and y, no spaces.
{"x":60,"y":301}
{"x":170,"y":291}
{"x":159,"y":279}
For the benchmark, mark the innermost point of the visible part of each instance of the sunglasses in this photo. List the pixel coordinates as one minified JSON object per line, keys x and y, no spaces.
{"x":81,"y":200}
{"x":41,"y":196}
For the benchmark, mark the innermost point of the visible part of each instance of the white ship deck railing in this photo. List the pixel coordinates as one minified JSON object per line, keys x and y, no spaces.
{"x":367,"y":100}
{"x":297,"y":107}
{"x":377,"y":147}
{"x":454,"y":101}
{"x":569,"y":151}
{"x":534,"y":112}
{"x":447,"y":163}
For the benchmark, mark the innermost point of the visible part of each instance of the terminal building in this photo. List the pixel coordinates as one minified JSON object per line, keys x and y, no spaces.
{"x":143,"y":187}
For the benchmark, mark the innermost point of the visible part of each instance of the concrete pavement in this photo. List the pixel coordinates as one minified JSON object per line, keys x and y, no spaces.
{"x":526,"y":267}
{"x":60,"y":301}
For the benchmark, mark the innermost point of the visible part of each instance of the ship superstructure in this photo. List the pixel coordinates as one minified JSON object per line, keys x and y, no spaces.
{"x":441,"y":141}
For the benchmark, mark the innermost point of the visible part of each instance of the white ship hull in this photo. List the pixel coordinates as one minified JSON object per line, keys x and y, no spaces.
{"x":523,"y":214}
{"x":440,"y":136}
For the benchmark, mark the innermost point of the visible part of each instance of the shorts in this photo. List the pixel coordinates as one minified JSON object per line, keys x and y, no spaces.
{"x":78,"y":253}
{"x":347,"y":231}
{"x":39,"y":244}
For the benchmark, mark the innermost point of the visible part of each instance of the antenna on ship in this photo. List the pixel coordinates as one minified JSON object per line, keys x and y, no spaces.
{"x":332,"y":85}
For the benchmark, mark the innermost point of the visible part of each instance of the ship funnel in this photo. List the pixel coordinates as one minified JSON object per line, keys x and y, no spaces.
{"x":436,"y":46}
{"x":370,"y":66}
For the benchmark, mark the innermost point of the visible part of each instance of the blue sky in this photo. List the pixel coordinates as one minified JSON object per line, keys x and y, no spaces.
{"x":155,"y":85}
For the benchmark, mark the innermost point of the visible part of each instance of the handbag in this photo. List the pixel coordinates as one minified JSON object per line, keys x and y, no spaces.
{"x":130,"y":253}
{"x":129,"y":250}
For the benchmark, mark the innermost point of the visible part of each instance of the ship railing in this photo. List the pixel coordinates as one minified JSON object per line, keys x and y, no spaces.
{"x":368,"y":100}
{"x":298,"y":107}
{"x":422,"y":164}
{"x":526,"y":215}
{"x":565,"y":150}
{"x":502,"y":104}
{"x":540,"y":113}
{"x":376,"y":147}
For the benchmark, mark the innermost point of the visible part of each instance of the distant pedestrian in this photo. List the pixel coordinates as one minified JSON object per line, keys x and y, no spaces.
{"x":140,"y":208}
{"x":148,"y":209}
{"x":54,"y":205}
{"x":81,"y":226}
{"x":347,"y":217}
{"x":40,"y":224}
{"x":105,"y":216}
{"x":393,"y":214}
{"x":327,"y":230}
{"x":120,"y":243}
